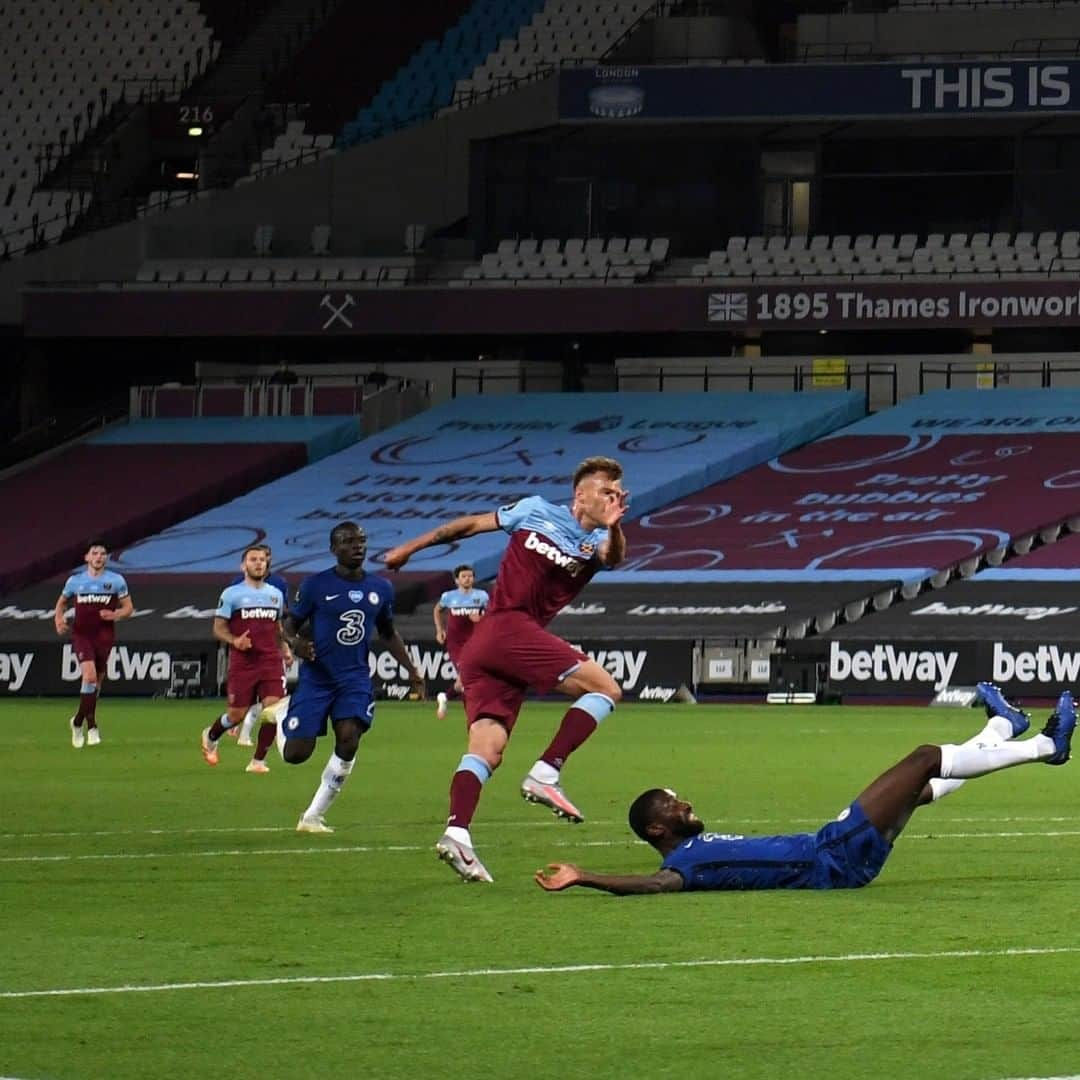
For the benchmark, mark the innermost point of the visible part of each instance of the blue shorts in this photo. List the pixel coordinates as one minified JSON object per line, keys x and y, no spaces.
{"x":850,"y":852}
{"x":315,"y":702}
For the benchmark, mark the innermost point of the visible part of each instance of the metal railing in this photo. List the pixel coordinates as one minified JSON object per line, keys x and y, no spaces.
{"x":799,"y":377}
{"x":994,"y":372}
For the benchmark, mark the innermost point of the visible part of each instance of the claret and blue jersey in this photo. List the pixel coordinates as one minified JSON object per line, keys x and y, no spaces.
{"x":276,"y":580}
{"x":457,"y":602}
{"x":549,"y":560}
{"x":91,"y":593}
{"x":255,"y":610}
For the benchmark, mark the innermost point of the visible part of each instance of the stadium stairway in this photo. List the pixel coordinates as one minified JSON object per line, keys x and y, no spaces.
{"x":139,"y":478}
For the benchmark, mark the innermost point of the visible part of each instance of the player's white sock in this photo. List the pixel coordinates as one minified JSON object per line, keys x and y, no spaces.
{"x":997,"y":730}
{"x":975,"y":758}
{"x":249,"y":721}
{"x":333,"y":778}
{"x":462,"y":836}
{"x":940,"y":788}
{"x":545,"y":773}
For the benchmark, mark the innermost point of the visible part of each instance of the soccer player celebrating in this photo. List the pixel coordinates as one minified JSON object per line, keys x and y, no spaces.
{"x":248,"y":620}
{"x":244,"y":732}
{"x":101,"y":599}
{"x":342,"y":605}
{"x":463,"y":608}
{"x":844,"y":854}
{"x":552,"y":554}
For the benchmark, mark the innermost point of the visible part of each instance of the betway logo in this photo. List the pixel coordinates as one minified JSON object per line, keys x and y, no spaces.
{"x":14,"y":667}
{"x":657,"y":693}
{"x":624,"y":665}
{"x":93,"y":598}
{"x":550,"y":552}
{"x":259,"y":613}
{"x":1046,"y":664}
{"x":433,"y":664}
{"x":1028,"y":614}
{"x":885,"y":663}
{"x":125,"y":664}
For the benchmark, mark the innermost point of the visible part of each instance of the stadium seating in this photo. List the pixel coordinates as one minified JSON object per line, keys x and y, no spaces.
{"x":562,"y":31}
{"x":889,"y":497}
{"x":64,"y":68}
{"x":887,"y":255}
{"x":395,"y":482}
{"x":495,"y":44}
{"x":150,"y":484}
{"x":295,"y":146}
{"x":315,"y":273}
{"x":616,"y":260}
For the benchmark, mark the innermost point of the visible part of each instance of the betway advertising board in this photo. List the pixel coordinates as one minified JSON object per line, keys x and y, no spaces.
{"x":907,"y":668}
{"x":646,"y":670}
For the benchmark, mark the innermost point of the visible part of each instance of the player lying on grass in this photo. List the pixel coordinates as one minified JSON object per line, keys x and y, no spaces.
{"x":844,"y":854}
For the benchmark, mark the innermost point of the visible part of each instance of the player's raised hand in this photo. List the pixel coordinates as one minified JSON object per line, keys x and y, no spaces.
{"x":557,"y":876}
{"x":615,"y":506}
{"x":242,"y":642}
{"x":396,"y":557}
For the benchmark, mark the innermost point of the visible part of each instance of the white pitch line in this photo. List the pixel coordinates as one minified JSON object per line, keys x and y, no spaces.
{"x":232,"y":829}
{"x":373,"y":849}
{"x":358,"y":849}
{"x":784,"y":823}
{"x":562,"y":969}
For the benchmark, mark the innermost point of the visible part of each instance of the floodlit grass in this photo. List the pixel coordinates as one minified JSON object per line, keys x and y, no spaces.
{"x":134,"y":865}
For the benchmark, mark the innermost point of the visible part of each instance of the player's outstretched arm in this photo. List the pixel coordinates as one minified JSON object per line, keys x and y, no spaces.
{"x":458,"y":529}
{"x":559,"y":876}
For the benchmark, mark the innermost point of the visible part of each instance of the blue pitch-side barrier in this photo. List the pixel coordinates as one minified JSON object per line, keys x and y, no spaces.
{"x":475,"y":454}
{"x":322,"y":435}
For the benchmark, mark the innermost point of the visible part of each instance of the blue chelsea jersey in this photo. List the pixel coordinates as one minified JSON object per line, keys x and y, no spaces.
{"x":344,"y":615}
{"x":722,"y":861}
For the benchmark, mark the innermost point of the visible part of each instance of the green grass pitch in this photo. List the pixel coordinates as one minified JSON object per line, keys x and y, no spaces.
{"x":188,"y":931}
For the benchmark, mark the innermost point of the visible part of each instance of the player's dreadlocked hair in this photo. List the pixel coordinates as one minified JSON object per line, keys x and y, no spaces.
{"x":597,"y":464}
{"x":643,"y":811}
